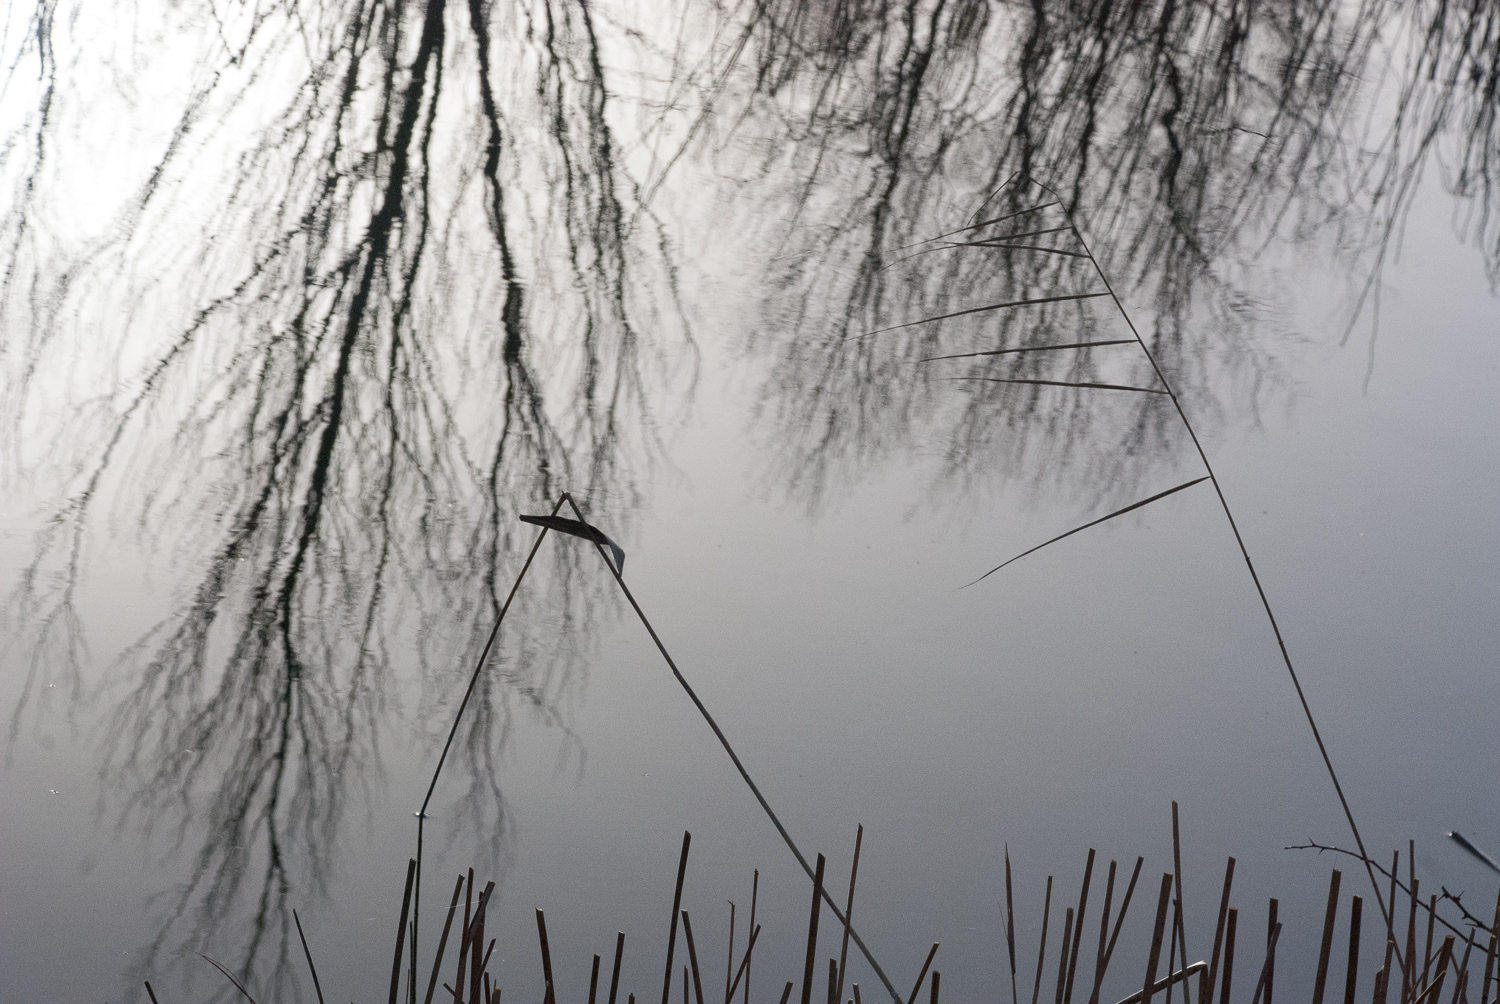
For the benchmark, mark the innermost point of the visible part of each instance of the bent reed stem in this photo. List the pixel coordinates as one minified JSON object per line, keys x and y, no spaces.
{"x":1239,"y":539}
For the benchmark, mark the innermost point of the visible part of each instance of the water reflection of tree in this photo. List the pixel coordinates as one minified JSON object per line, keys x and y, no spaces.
{"x":423,"y":292}
{"x":412,"y":307}
{"x":1183,"y":137}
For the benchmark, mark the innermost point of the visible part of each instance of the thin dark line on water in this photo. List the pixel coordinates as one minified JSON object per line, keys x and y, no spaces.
{"x":986,"y":223}
{"x":1029,"y":348}
{"x":1018,"y":247}
{"x":949,"y":246}
{"x":733,"y":756}
{"x":1077,"y":529}
{"x":978,"y":310}
{"x":744,"y":965}
{"x":1064,"y":383}
{"x":458,"y":716}
{"x":1002,"y":187}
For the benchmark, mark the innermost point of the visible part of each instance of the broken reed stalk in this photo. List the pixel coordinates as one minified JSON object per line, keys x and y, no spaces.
{"x":1268,"y":968}
{"x":614,"y":976}
{"x":1041,"y":952}
{"x":1154,"y":959}
{"x":1178,"y":919}
{"x":729,"y":965}
{"x":411,"y":870}
{"x":1325,"y":947}
{"x":1489,"y":955}
{"x":1083,"y":900}
{"x":1427,"y":949}
{"x":1229,"y":930}
{"x":1119,"y":922}
{"x":744,"y":969}
{"x":1062,"y":957}
{"x":1351,"y":971}
{"x":754,"y":895}
{"x":477,"y":983}
{"x":733,"y":756}
{"x":443,"y":942}
{"x":458,"y":717}
{"x":1166,"y":983}
{"x":1409,"y":986}
{"x":1206,"y":988}
{"x":838,"y":995}
{"x":1109,"y":895}
{"x":812,"y":933}
{"x":687,"y":931}
{"x":666,"y":984}
{"x":1272,"y":928}
{"x":541,"y":933}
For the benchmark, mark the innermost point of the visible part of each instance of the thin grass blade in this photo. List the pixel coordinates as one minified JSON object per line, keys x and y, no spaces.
{"x":979,"y":310}
{"x":984,"y":223}
{"x":578,"y":528}
{"x":1101,"y":519}
{"x":306,"y":951}
{"x":228,"y":976}
{"x":1029,"y":348}
{"x":1018,"y":247}
{"x":1084,"y":385}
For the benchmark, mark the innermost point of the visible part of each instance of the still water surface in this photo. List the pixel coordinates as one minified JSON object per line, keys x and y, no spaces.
{"x":304,"y":305}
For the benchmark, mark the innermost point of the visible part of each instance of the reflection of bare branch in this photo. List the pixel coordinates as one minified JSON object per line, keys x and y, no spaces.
{"x":1184,"y":136}
{"x":333,"y":415}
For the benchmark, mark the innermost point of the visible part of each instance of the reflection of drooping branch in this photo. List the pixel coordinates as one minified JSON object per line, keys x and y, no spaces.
{"x":347,"y":406}
{"x":1185,"y":135}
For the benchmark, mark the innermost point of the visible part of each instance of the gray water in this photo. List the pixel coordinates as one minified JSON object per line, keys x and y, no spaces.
{"x":281,"y":373}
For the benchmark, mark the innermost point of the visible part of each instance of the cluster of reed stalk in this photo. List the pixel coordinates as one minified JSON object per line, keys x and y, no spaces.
{"x":1419,"y":973}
